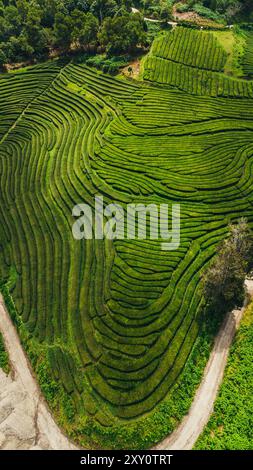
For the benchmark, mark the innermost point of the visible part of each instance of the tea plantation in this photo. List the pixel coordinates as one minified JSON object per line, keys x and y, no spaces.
{"x":110,"y":325}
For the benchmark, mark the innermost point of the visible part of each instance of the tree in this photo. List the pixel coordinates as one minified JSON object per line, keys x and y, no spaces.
{"x":33,"y":30}
{"x":242,"y":240}
{"x":103,"y":8}
{"x":122,"y":34}
{"x":49,"y":9}
{"x":13,"y":19}
{"x":165,"y":10}
{"x":78,"y":20}
{"x":247,"y":6}
{"x":224,"y":279}
{"x":5,"y":29}
{"x":224,"y":6}
{"x":17,"y":48}
{"x":84,"y":28}
{"x":89,"y":31}
{"x":63,"y":31}
{"x":3,"y":59}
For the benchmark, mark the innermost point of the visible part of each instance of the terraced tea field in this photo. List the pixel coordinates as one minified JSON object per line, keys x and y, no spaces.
{"x":193,"y":61}
{"x":109,"y":325}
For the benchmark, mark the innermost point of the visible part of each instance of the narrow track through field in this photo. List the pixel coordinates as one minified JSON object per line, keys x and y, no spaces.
{"x":185,"y":436}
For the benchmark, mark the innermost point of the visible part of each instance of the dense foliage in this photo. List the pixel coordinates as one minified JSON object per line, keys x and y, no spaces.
{"x":157,"y":9}
{"x":230,"y":427}
{"x":230,"y":10}
{"x":4,"y":363}
{"x":31,"y":29}
{"x":35,"y":29}
{"x":224,"y":279}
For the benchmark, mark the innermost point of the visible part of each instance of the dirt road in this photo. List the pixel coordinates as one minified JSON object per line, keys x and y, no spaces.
{"x":185,"y":436}
{"x":25,"y":420}
{"x":151,"y":20}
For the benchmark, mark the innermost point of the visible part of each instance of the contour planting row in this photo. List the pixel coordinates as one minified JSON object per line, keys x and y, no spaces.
{"x":195,"y":81}
{"x":15,"y":94}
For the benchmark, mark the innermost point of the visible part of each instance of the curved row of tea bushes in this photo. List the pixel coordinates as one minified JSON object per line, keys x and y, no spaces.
{"x":247,"y":60}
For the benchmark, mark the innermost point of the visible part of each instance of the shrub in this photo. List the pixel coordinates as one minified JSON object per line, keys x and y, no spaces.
{"x":207,"y":13}
{"x":4,"y":362}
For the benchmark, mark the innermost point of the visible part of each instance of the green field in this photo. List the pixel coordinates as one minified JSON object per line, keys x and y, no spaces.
{"x":230,"y":426}
{"x":110,"y":325}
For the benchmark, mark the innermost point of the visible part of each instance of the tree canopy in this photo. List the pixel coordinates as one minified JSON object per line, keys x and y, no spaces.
{"x":121,"y":33}
{"x":30,"y":29}
{"x":224,"y":280}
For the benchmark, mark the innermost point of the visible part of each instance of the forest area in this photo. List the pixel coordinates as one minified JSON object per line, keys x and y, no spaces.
{"x":38,"y":29}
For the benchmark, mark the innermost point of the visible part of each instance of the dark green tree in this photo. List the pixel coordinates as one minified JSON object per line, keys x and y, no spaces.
{"x":85,"y":28}
{"x":89,"y":31}
{"x":13,"y":19}
{"x":103,"y":8}
{"x":3,"y":59}
{"x":224,"y":279}
{"x":63,"y":31}
{"x":122,"y":34}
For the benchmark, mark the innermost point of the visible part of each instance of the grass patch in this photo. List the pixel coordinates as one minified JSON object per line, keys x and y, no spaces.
{"x":233,"y":44}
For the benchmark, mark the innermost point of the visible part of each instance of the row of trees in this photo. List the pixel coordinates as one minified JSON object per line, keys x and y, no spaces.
{"x":30,"y":29}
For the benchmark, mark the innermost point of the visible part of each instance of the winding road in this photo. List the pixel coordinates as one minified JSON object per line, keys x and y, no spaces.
{"x":185,"y":436}
{"x":26,"y":422}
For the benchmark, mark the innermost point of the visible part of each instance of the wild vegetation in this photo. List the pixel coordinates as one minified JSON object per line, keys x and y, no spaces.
{"x":110,"y":326}
{"x":4,"y":362}
{"x":225,"y":277}
{"x":218,"y":10}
